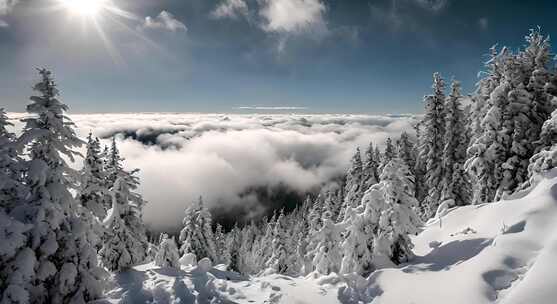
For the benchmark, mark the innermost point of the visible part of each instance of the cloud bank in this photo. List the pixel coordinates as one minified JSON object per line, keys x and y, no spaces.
{"x":244,"y":166}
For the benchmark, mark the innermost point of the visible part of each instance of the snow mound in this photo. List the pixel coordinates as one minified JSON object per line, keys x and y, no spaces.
{"x":188,"y":259}
{"x":502,"y":252}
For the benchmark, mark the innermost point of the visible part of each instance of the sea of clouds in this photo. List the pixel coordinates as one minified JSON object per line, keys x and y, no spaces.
{"x":235,"y":162}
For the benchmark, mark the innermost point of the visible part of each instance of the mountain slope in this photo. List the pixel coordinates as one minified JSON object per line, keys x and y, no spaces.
{"x":501,"y":252}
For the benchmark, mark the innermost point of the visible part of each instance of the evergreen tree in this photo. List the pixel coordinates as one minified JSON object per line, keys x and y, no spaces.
{"x":326,"y":254}
{"x":432,"y":145}
{"x":353,"y":188}
{"x":92,"y":192}
{"x":357,"y":247}
{"x":167,"y":255}
{"x":454,"y":184}
{"x":223,"y":254}
{"x":12,"y":188}
{"x":279,"y":258}
{"x":197,"y":235}
{"x":125,"y":242}
{"x":16,"y":259}
{"x":58,"y":263}
{"x":405,"y":151}
{"x":397,"y":219}
{"x":388,"y":154}
{"x":370,"y":169}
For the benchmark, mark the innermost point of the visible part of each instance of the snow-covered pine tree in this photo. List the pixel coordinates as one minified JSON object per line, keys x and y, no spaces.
{"x":326,"y":254}
{"x":397,"y":219}
{"x":58,"y":264}
{"x":197,"y":235}
{"x":405,"y":151}
{"x":515,"y":112}
{"x":432,"y":144}
{"x":233,"y":242}
{"x":370,"y":174}
{"x":388,"y":154}
{"x":223,"y":255}
{"x":546,"y":158}
{"x":487,"y":153}
{"x":454,"y":184}
{"x":529,"y":106}
{"x":125,"y":241}
{"x":357,"y":246}
{"x":315,"y":223}
{"x":92,"y":190}
{"x":249,"y":263}
{"x":279,"y":258}
{"x":12,"y":188}
{"x":353,"y":188}
{"x":167,"y":255}
{"x":16,"y":259}
{"x":419,"y":168}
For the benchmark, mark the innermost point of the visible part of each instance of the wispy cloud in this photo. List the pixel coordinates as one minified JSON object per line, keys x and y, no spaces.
{"x":280,"y":108}
{"x":165,"y":21}
{"x":6,"y":6}
{"x":293,"y":16}
{"x":233,"y":9}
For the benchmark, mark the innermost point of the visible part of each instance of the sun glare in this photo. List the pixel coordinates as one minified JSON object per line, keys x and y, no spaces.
{"x":86,"y":8}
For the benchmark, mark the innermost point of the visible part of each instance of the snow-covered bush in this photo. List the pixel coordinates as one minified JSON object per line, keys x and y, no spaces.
{"x":167,"y":255}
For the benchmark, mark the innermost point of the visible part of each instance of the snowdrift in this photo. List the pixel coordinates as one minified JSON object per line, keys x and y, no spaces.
{"x":502,"y":252}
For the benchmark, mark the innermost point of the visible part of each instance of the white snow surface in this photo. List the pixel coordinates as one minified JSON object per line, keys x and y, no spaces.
{"x":502,"y":252}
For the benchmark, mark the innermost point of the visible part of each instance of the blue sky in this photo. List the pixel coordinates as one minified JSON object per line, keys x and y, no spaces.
{"x":334,"y":56}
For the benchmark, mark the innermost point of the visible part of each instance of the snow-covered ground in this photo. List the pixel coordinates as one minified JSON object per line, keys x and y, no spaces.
{"x":503,"y":252}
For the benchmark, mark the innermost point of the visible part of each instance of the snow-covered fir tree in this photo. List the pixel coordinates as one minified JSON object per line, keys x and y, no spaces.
{"x":197,"y":234}
{"x":546,"y":158}
{"x":397,"y":219}
{"x":432,"y":145}
{"x":125,"y":241}
{"x":405,"y":150}
{"x":58,"y":263}
{"x":16,"y":259}
{"x":454,"y":184}
{"x":353,"y":188}
{"x":167,"y":255}
{"x":514,"y":114}
{"x":12,"y":188}
{"x":327,"y":256}
{"x":279,"y":258}
{"x":92,"y":190}
{"x":388,"y":154}
{"x":357,"y":246}
{"x":223,"y":254}
{"x":370,"y":174}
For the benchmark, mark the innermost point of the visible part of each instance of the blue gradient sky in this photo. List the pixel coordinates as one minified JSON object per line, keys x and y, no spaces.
{"x":374,"y":56}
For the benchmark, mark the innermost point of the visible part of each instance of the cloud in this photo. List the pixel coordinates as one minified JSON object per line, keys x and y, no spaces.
{"x":293,"y":16}
{"x":6,"y":6}
{"x":281,"y":108}
{"x":483,"y":23}
{"x":233,"y":9}
{"x":244,"y":165}
{"x":164,"y":20}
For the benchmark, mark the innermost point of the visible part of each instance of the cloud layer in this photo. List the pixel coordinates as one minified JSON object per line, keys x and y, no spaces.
{"x":242,"y":165}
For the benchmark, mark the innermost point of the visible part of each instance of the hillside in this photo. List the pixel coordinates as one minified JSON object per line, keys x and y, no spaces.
{"x":500,"y":252}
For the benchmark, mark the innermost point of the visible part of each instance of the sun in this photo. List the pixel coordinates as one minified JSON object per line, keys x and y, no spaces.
{"x":85,"y":8}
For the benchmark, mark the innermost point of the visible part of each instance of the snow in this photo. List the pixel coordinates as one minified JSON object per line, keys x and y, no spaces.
{"x":500,"y":252}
